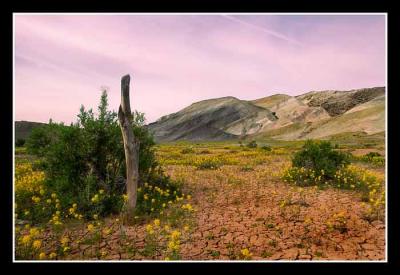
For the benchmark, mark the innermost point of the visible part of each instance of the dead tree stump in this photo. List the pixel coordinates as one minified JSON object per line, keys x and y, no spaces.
{"x":131,"y":146}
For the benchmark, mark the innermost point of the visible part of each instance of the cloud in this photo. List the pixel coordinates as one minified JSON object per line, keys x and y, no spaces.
{"x":264,"y":30}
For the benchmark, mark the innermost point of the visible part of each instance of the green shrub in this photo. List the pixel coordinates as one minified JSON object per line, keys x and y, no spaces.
{"x":321,"y":158}
{"x":187,"y":151}
{"x":247,"y":168}
{"x":378,"y":161}
{"x":20,"y":142}
{"x":209,"y":164}
{"x":252,"y":144}
{"x":266,"y":148}
{"x":372,"y":157}
{"x":88,"y":156}
{"x":41,"y":137}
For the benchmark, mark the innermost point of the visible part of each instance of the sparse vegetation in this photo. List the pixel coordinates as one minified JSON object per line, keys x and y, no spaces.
{"x":20,"y":142}
{"x":243,"y":184}
{"x":187,"y":151}
{"x":252,"y":144}
{"x":371,"y":157}
{"x":266,"y":148}
{"x":321,"y":158}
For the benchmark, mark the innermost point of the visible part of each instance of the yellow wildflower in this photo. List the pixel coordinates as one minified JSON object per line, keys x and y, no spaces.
{"x":149,"y":229}
{"x":175,"y":234}
{"x":37,"y":244}
{"x":64,"y":241}
{"x":26,"y":239}
{"x":246,"y":253}
{"x":34,"y":232}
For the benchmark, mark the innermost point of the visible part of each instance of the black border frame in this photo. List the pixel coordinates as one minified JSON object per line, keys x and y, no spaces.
{"x":202,"y":6}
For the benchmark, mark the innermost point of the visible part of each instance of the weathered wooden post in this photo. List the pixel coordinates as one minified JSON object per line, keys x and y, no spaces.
{"x":131,"y":146}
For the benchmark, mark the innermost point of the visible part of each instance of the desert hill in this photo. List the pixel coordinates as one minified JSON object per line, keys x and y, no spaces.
{"x":315,"y":114}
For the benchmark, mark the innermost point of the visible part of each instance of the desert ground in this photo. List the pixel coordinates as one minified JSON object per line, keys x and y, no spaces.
{"x":240,"y":209}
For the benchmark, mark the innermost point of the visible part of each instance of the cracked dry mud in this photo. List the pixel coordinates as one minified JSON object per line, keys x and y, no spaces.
{"x":246,"y":214}
{"x":237,"y":209}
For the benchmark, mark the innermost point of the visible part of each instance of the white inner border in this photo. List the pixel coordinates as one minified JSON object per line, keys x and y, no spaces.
{"x":216,"y":14}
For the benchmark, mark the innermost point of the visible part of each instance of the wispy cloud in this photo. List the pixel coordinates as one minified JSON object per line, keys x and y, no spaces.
{"x":264,"y":30}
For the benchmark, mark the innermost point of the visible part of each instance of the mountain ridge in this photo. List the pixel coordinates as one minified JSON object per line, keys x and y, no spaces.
{"x":315,"y":114}
{"x":279,"y":116}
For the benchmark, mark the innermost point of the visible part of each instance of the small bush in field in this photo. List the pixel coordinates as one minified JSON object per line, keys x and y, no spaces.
{"x":247,"y":168}
{"x":315,"y":164}
{"x":209,"y":164}
{"x":321,"y":158}
{"x":20,"y":142}
{"x":266,"y":148}
{"x":373,"y":158}
{"x":370,"y":155}
{"x":252,"y":144}
{"x":187,"y":151}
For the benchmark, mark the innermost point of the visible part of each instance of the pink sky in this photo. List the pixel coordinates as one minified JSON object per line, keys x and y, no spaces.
{"x":61,"y":61}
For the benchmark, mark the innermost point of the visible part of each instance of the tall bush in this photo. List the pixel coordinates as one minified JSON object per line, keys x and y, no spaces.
{"x":88,"y":156}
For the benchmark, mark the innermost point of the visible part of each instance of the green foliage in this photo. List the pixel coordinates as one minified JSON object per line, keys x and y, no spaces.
{"x":20,"y":142}
{"x":266,"y":148}
{"x":247,"y":168}
{"x":209,"y":164}
{"x":88,"y":156}
{"x":370,"y":155}
{"x":252,"y":144}
{"x":373,"y":158}
{"x":41,"y":137}
{"x":188,"y":150}
{"x":321,"y":158}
